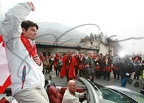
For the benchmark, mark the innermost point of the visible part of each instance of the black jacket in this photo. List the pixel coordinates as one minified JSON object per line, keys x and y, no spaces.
{"x":126,"y":68}
{"x":140,"y":68}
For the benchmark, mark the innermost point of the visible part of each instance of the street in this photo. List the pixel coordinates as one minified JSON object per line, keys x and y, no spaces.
{"x":62,"y":81}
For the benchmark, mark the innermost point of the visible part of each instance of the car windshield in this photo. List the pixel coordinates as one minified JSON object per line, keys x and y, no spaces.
{"x":108,"y":95}
{"x":137,"y":96}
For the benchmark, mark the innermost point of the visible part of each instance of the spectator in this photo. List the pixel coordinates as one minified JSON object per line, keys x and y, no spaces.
{"x":23,"y":61}
{"x":141,"y":71}
{"x":98,"y":67}
{"x":68,"y":67}
{"x":45,"y":64}
{"x":70,"y":95}
{"x":81,"y":66}
{"x":136,"y":60}
{"x":56,"y":63}
{"x":89,"y":65}
{"x":126,"y":70}
{"x":51,"y":62}
{"x":116,"y":71}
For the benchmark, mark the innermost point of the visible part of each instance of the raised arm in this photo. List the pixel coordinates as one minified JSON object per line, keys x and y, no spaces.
{"x":13,"y":19}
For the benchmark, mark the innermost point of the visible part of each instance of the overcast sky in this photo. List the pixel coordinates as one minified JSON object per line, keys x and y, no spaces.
{"x":124,"y":18}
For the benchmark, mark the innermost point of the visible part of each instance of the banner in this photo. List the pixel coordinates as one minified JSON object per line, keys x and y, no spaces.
{"x":4,"y":72}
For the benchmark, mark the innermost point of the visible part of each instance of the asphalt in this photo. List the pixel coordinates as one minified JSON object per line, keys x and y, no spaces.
{"x":62,"y":81}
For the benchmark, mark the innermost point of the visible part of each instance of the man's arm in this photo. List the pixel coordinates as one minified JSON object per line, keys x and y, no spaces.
{"x":81,"y":95}
{"x":13,"y":19}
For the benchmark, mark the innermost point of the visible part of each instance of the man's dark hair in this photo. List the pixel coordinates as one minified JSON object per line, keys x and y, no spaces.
{"x":27,"y":23}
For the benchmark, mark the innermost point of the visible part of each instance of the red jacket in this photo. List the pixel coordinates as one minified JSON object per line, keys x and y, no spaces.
{"x":68,"y":64}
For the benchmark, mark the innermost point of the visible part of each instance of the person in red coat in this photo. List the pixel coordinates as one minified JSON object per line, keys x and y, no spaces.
{"x":68,"y":68}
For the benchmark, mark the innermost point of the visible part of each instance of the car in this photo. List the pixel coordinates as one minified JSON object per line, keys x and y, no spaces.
{"x":95,"y":93}
{"x":132,"y":94}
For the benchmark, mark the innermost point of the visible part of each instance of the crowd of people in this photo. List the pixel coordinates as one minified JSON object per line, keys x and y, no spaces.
{"x":96,"y":66}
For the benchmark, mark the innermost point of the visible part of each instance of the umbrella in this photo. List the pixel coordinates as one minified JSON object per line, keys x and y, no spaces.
{"x":4,"y":72}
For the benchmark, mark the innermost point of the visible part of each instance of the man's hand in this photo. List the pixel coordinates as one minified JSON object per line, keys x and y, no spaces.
{"x":37,"y":60}
{"x":32,"y":6}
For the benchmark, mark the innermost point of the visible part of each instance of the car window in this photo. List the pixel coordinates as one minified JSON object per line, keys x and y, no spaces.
{"x":115,"y":96}
{"x":108,"y":95}
{"x":137,"y":96}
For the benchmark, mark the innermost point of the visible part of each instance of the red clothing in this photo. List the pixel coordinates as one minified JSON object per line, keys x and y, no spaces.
{"x":42,"y":58}
{"x":56,"y":59}
{"x":107,"y":68}
{"x":115,"y":68}
{"x":31,"y":48}
{"x":97,"y":67}
{"x":81,"y":66}
{"x":68,"y":66}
